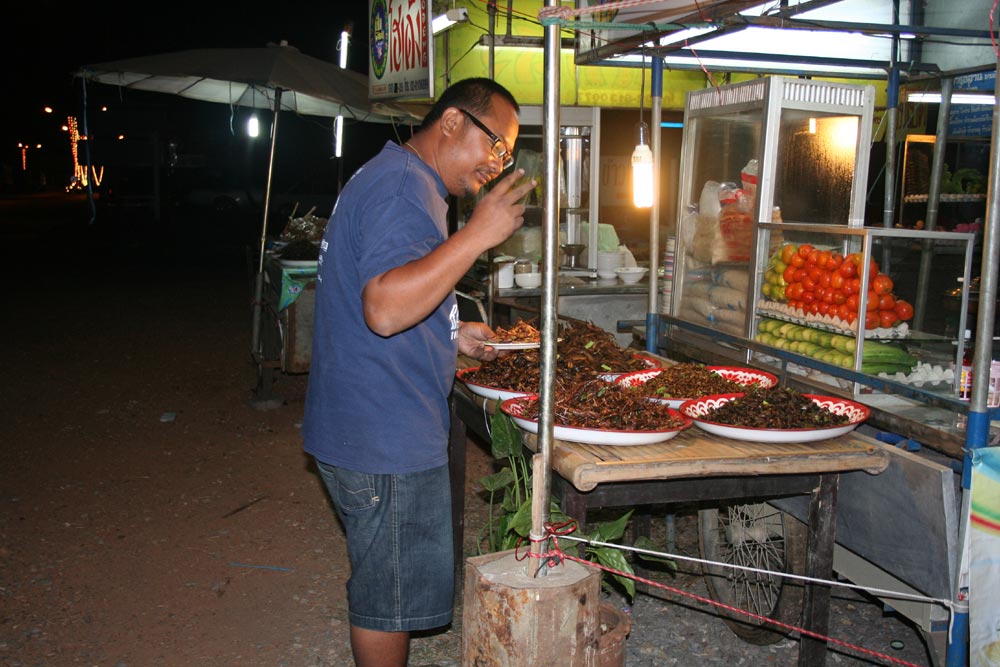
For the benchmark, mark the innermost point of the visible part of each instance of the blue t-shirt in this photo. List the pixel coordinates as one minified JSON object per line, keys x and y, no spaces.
{"x":380,"y":404}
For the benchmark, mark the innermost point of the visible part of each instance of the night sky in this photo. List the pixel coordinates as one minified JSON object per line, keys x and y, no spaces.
{"x":53,"y":39}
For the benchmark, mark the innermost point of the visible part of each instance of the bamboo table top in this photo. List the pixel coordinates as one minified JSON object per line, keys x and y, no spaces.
{"x":696,"y":453}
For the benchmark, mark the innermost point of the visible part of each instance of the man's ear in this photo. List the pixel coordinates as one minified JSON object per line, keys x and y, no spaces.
{"x":451,"y":121}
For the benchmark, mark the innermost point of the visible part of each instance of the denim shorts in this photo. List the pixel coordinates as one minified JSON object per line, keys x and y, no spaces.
{"x":399,"y":541}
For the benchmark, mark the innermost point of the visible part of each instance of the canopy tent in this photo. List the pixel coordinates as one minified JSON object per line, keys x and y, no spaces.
{"x":249,"y":77}
{"x":277,"y":77}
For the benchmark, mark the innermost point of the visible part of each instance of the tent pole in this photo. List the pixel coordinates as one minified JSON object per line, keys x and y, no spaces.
{"x":258,"y":295}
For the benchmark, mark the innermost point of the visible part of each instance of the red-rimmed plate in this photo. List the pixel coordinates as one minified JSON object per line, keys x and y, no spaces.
{"x":594,"y":436}
{"x":699,"y":411}
{"x":491,"y":393}
{"x":744,"y":376}
{"x":650,"y":362}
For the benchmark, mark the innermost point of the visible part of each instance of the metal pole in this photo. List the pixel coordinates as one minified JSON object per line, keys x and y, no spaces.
{"x":258,"y":294}
{"x":977,"y":429}
{"x":550,"y":289}
{"x":652,"y":313}
{"x":933,"y":196}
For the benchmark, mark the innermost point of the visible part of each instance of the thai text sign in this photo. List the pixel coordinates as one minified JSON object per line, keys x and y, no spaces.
{"x":399,"y":49}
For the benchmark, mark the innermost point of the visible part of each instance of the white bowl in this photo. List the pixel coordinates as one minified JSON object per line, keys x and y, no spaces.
{"x":606,"y":274}
{"x":631,"y":274}
{"x":528,"y":280}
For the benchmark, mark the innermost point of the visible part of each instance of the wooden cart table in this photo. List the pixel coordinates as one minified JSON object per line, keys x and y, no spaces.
{"x":698,"y":466}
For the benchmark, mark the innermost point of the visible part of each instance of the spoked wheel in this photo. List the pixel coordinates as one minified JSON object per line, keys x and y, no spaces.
{"x":761,"y":537}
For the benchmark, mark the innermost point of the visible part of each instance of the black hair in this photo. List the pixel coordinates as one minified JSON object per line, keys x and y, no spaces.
{"x":475,"y":95}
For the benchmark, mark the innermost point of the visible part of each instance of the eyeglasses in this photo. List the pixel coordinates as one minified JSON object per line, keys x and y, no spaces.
{"x":499,"y":148}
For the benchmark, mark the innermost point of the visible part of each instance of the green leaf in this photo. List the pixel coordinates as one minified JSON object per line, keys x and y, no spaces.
{"x":609,"y":531}
{"x":615,"y":558}
{"x":505,"y":434}
{"x":643,"y":542}
{"x":498,"y":480}
{"x":520,"y":523}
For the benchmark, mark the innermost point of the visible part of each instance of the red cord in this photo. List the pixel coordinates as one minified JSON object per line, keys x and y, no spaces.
{"x":556,"y":556}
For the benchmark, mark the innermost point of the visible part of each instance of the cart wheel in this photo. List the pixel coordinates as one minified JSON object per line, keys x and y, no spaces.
{"x":756,"y":536}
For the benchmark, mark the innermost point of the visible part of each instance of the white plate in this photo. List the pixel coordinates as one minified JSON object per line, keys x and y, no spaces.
{"x":698,"y":408}
{"x":737,"y":374}
{"x":512,"y":346}
{"x":298,"y":263}
{"x":491,"y":393}
{"x":593,"y":436}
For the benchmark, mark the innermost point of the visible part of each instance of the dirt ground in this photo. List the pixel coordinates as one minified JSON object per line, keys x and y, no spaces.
{"x":149,"y":516}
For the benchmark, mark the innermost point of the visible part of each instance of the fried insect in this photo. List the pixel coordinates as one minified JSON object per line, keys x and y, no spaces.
{"x":521,"y":332}
{"x":774,"y":408}
{"x":597,"y":404}
{"x":687,"y":380}
{"x":584,"y":349}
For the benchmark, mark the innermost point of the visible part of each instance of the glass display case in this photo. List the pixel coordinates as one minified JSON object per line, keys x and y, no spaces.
{"x":861,"y":300}
{"x":773,"y":259}
{"x":771,"y":149}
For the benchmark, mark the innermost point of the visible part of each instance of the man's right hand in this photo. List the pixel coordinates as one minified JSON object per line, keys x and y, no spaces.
{"x":500,"y":213}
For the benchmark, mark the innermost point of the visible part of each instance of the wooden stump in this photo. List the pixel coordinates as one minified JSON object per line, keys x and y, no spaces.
{"x":510,"y":619}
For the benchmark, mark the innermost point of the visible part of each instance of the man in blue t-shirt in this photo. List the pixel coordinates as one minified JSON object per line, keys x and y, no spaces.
{"x":385,"y":341}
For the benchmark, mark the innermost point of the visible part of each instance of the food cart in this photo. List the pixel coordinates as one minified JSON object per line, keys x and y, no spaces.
{"x":923,"y":553}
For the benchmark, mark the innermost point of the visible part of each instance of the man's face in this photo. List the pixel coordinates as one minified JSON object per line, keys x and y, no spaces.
{"x":474,"y":157}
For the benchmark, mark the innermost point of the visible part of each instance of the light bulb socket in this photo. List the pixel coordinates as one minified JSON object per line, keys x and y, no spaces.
{"x":642,"y":131}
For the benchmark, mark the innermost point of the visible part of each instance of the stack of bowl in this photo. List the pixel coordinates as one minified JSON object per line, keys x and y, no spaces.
{"x":607,"y":262}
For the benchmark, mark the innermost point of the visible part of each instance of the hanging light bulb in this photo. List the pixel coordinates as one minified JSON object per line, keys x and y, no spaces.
{"x":253,"y":127}
{"x":642,"y":156}
{"x":642,"y":171}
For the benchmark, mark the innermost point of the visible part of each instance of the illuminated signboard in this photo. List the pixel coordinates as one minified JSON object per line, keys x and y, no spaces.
{"x":400,"y":49}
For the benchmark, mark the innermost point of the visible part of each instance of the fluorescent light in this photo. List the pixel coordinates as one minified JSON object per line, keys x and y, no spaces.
{"x":253,"y":127}
{"x":642,"y":171}
{"x":338,"y":136}
{"x":956,"y":98}
{"x":444,"y":21}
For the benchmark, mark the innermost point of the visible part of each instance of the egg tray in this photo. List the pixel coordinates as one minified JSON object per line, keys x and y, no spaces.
{"x":784,"y":312}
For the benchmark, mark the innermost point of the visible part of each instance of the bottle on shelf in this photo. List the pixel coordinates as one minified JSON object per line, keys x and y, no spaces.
{"x":965,"y":374}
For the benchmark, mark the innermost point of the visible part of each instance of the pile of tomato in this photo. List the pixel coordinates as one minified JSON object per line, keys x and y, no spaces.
{"x":824,"y":282}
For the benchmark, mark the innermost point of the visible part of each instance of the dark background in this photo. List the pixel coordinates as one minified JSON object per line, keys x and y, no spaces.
{"x":51,"y":40}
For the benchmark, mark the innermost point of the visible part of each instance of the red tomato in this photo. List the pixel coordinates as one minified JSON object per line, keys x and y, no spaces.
{"x":836,"y":280}
{"x":904,"y":310}
{"x":853,"y":286}
{"x":872,"y":304}
{"x":871,"y":319}
{"x":824,"y":279}
{"x":812,"y":307}
{"x":848,"y":268}
{"x":797,"y":261}
{"x":882,"y":284}
{"x":824,"y":308}
{"x":886,"y":318}
{"x":808,"y":296}
{"x":815,"y":273}
{"x":805,"y":249}
{"x":823,"y":259}
{"x":836,"y":259}
{"x":851,"y":316}
{"x":801,"y":274}
{"x":794,"y":291}
{"x":843,"y":312}
{"x":813,"y":257}
{"x":886,"y":302}
{"x":853,"y":300}
{"x":789,"y":274}
{"x":839,"y":297}
{"x":808,"y":283}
